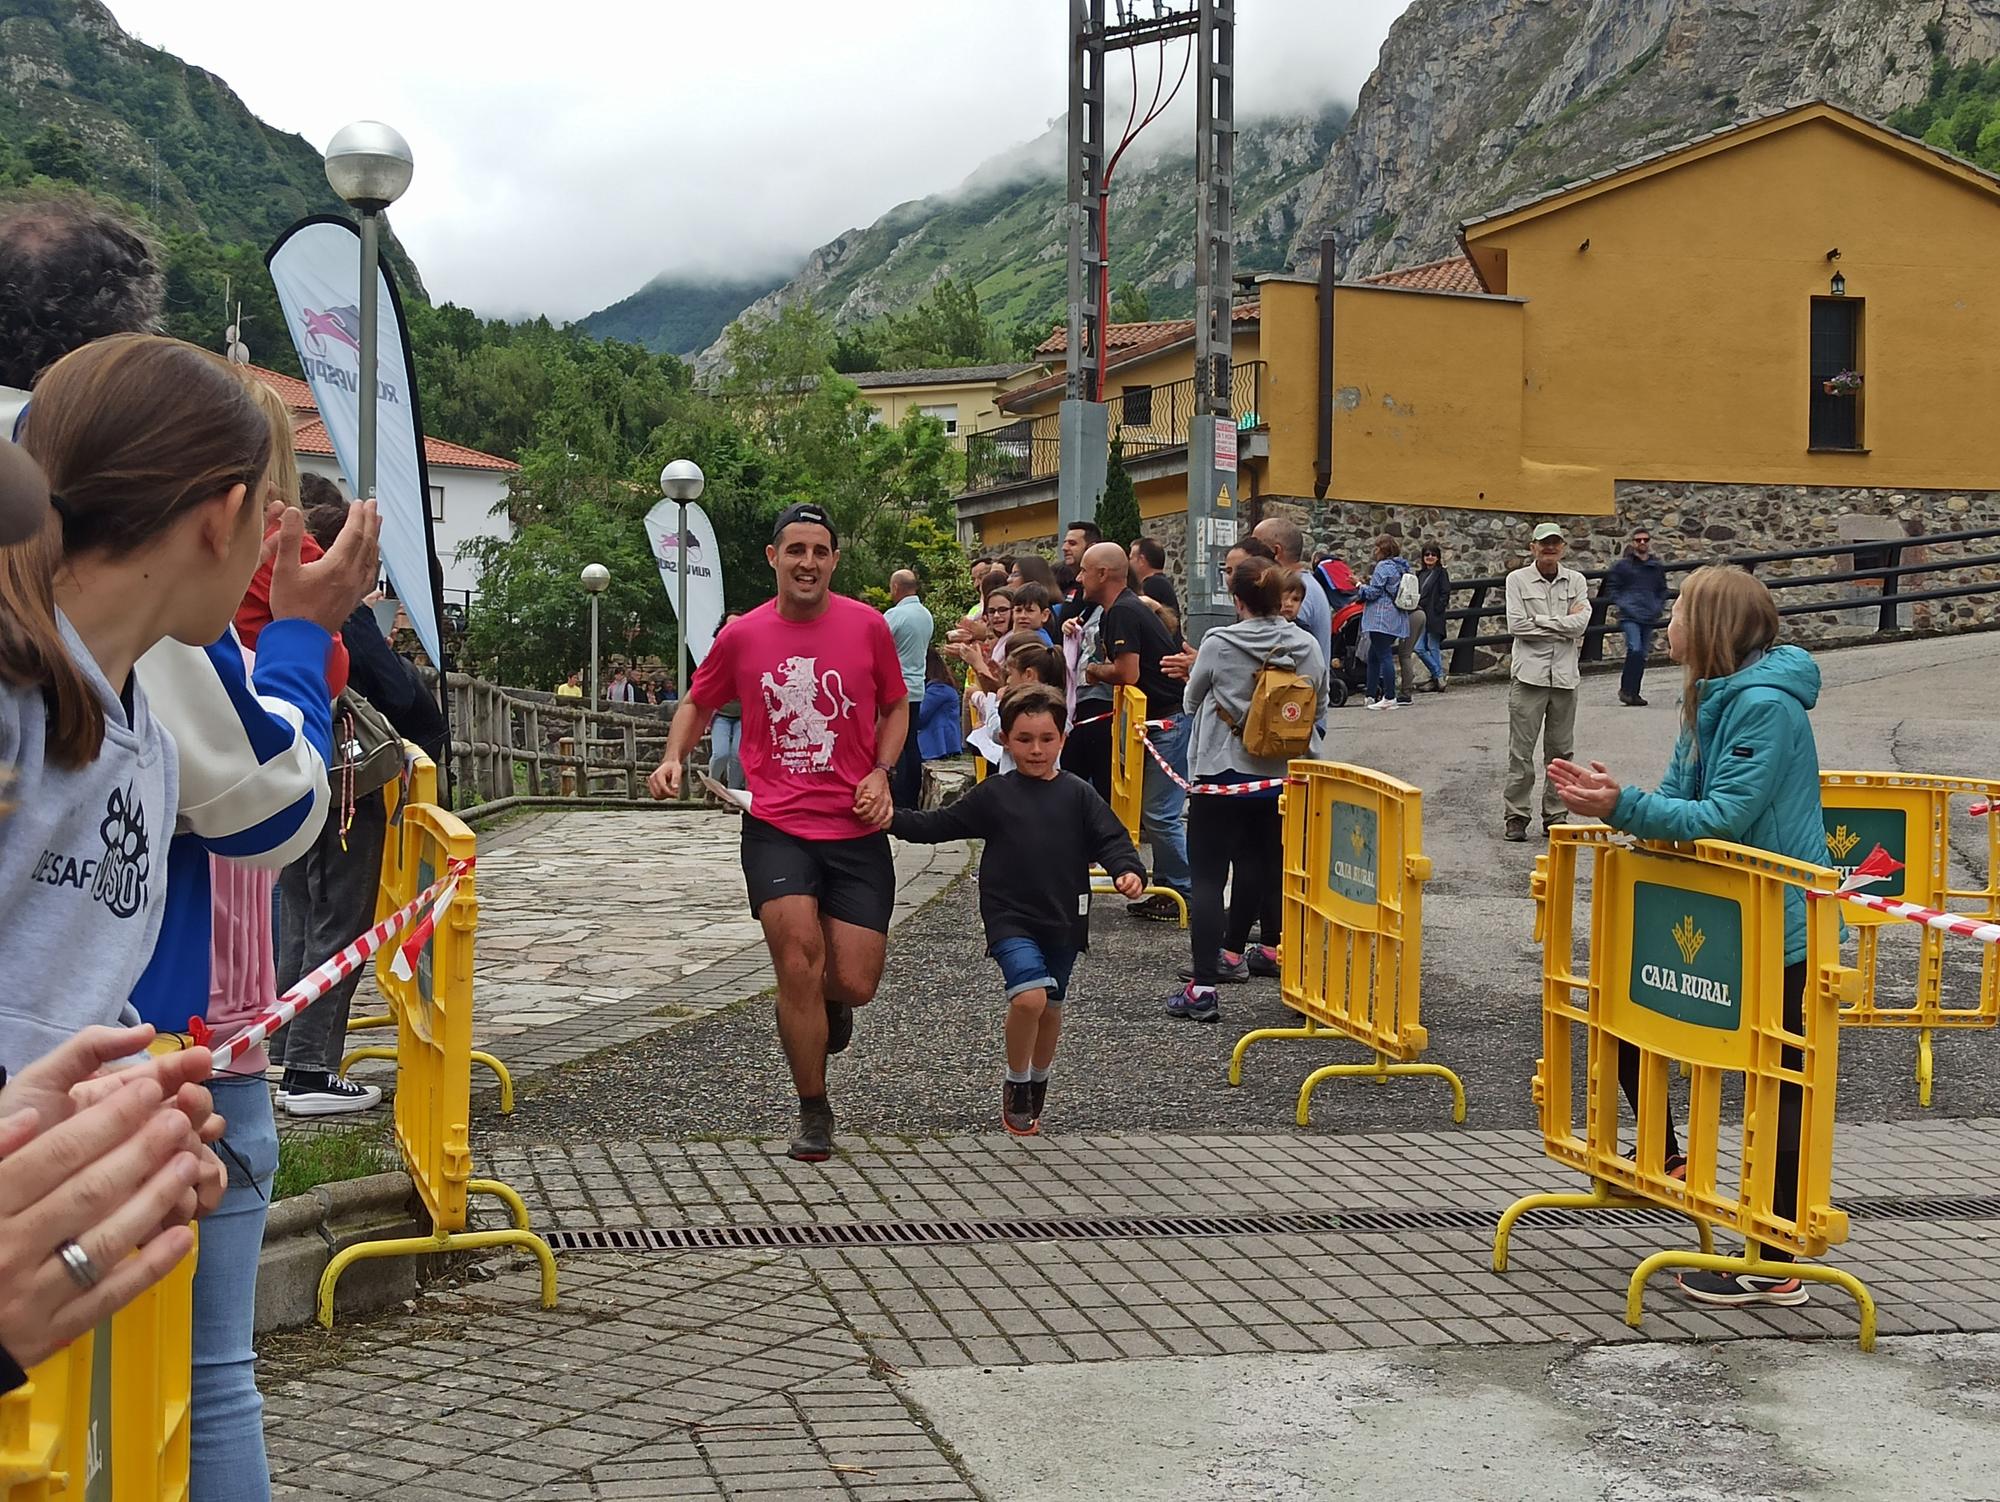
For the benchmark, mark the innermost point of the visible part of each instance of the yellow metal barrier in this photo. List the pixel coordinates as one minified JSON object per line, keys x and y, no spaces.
{"x":1352,"y":958}
{"x":1686,"y":961}
{"x":433,"y":1017}
{"x":1128,"y":783}
{"x":106,"y":1420}
{"x":398,"y":884}
{"x":1909,"y":816}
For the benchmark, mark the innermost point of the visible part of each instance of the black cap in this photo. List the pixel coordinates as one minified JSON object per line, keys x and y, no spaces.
{"x":805,"y":511}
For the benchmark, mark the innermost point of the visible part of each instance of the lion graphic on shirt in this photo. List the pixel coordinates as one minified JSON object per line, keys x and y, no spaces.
{"x":802,"y":704}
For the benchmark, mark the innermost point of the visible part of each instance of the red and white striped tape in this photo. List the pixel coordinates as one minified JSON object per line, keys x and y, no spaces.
{"x":1982,"y":808}
{"x":1930,"y":917}
{"x":312,"y":987}
{"x":1880,"y":866}
{"x":1260,"y":785}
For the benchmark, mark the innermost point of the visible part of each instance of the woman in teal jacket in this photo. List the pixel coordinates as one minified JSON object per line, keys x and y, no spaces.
{"x":1744,"y":769}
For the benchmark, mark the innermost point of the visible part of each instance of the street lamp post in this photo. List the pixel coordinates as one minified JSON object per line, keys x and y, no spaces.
{"x":369,"y":165}
{"x":596,"y":577}
{"x":682,"y":482}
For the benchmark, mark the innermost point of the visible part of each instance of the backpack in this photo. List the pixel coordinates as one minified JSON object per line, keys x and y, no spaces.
{"x":1408,"y":591}
{"x":1279,"y":722}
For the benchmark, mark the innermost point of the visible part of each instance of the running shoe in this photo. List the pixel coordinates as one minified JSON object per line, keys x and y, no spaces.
{"x":1677,"y":1166}
{"x":1194,"y":1003}
{"x":1741,"y":1288}
{"x":1159,"y":908}
{"x":326,"y":1095}
{"x":1228,"y":972}
{"x":1261,"y":959}
{"x":839,"y":1026}
{"x":814,"y":1142}
{"x":1017,"y":1108}
{"x":1038,"y":1095}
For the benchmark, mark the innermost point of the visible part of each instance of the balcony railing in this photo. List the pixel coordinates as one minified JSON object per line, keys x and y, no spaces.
{"x":1152,"y":421}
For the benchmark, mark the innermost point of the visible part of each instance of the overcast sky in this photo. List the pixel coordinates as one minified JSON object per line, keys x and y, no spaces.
{"x":567,"y":154}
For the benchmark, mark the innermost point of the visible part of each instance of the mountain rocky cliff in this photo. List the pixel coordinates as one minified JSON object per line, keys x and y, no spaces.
{"x":1472,"y":103}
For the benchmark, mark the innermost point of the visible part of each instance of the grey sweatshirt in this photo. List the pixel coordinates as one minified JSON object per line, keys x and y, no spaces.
{"x":83,"y":866}
{"x":1223,"y":677}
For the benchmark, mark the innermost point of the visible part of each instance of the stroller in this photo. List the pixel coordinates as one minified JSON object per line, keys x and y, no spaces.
{"x":1348,"y":671}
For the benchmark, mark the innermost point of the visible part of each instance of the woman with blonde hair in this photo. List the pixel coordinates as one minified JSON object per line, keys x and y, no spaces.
{"x":1746,"y":769}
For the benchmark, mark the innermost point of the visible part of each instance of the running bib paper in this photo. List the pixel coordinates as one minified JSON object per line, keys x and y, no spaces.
{"x":730,"y":796}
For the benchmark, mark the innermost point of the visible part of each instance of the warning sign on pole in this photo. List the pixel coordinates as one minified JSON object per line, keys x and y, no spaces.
{"x":1225,"y":444}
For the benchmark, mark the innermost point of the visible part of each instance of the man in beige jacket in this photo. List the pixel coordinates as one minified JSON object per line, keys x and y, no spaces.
{"x":1548,"y":609}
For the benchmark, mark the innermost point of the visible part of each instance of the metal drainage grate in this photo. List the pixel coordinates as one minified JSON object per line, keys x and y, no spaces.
{"x":922,"y":1233}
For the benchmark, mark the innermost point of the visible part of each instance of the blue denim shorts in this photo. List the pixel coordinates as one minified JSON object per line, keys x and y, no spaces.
{"x":1028,"y":966}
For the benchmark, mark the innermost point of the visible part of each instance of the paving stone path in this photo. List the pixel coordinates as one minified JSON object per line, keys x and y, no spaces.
{"x":750,"y":1328}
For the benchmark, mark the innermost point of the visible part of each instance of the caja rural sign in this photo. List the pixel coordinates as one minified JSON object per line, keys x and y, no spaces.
{"x":1852,"y":833}
{"x":1353,"y":861}
{"x":1687,"y":955}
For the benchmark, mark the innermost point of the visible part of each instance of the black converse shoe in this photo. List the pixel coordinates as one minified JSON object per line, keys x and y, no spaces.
{"x":1017,"y":1108}
{"x":306,"y":1094}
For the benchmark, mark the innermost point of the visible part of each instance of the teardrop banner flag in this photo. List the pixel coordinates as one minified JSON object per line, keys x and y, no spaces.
{"x":704,"y":571}
{"x":316,"y":267}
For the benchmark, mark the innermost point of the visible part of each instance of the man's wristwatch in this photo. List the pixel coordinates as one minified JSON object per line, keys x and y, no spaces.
{"x":885,"y":769}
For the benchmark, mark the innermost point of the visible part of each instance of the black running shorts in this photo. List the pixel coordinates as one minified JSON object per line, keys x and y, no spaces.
{"x":854,"y":880}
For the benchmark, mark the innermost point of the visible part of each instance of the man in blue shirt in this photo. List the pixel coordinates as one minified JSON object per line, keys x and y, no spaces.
{"x":912,"y":627}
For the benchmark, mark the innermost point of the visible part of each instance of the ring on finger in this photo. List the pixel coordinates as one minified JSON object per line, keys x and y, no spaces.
{"x":76,"y":1262}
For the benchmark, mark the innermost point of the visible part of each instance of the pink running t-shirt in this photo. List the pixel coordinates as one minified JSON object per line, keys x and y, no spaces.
{"x":810,"y":692}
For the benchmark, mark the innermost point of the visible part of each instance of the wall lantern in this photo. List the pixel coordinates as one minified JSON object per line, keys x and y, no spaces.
{"x":1839,"y":287}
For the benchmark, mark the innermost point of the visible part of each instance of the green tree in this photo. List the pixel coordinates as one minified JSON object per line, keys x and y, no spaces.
{"x":55,"y":153}
{"x":1118,"y":509}
{"x":1128,"y":304}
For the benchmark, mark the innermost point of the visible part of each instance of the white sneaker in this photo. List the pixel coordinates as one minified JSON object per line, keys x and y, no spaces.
{"x":1373,"y":704}
{"x":337,"y":1097}
{"x":1387,"y":704}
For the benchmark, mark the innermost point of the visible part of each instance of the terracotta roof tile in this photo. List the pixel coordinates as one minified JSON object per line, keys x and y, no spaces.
{"x":1452,"y":274}
{"x":1118,"y":336}
{"x":309,"y":437}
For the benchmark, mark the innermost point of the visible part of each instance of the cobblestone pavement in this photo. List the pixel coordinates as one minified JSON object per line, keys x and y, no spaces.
{"x":755,"y":1366}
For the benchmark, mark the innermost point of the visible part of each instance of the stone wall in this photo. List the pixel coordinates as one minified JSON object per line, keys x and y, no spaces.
{"x":1690,"y":521}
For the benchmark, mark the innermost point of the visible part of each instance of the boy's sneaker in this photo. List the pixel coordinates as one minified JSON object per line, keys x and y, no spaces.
{"x":1228,"y":972}
{"x":1017,"y":1108}
{"x":1742,"y":1288}
{"x":326,"y":1095}
{"x":839,"y":1026}
{"x":1038,"y":1095}
{"x":1194,"y":1003}
{"x":814,"y":1142}
{"x":1159,"y":908}
{"x":1261,"y":959}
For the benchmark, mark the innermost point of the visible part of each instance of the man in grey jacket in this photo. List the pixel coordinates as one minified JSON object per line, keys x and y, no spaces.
{"x":1548,"y":610}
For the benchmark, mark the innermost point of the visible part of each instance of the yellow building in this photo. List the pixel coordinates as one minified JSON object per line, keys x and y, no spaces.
{"x":1652,"y":346}
{"x":964,"y":398}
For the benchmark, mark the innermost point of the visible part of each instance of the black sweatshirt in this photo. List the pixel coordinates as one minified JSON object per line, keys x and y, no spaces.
{"x":1041,"y":836}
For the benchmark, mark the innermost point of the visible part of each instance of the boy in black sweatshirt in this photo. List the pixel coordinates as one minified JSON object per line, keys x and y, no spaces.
{"x":1043,"y":827}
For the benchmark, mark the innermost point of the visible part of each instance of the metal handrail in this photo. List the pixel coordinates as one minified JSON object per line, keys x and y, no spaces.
{"x":1888,"y":572}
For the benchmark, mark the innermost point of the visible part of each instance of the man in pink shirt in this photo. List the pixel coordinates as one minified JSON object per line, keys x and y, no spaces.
{"x":824,"y":717}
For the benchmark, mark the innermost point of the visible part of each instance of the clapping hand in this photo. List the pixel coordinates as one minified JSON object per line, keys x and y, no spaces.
{"x":1591,"y":791}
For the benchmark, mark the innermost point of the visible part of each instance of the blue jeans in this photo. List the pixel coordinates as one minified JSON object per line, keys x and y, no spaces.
{"x":725,"y":740}
{"x":1381,"y":665}
{"x":1638,"y":642}
{"x":1429,"y":655}
{"x":1026,"y":965}
{"x":1163,"y":807}
{"x":226,"y":1414}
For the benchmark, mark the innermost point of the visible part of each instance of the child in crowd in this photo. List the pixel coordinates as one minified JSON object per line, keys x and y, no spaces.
{"x":1042,"y":827}
{"x":1032,"y":607}
{"x":1293,"y":594}
{"x":1027,"y":661}
{"x":981,"y":644}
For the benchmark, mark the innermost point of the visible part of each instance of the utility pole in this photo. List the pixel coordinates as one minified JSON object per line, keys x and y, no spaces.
{"x":1213,"y":519}
{"x":1213,"y":515}
{"x":1083,"y":422}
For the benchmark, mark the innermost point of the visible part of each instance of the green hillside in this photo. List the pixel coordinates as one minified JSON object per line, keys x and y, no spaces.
{"x":679,"y":316}
{"x":84,"y":106}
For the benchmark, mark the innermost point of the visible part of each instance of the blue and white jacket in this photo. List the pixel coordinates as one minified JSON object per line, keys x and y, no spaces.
{"x":254,"y":748}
